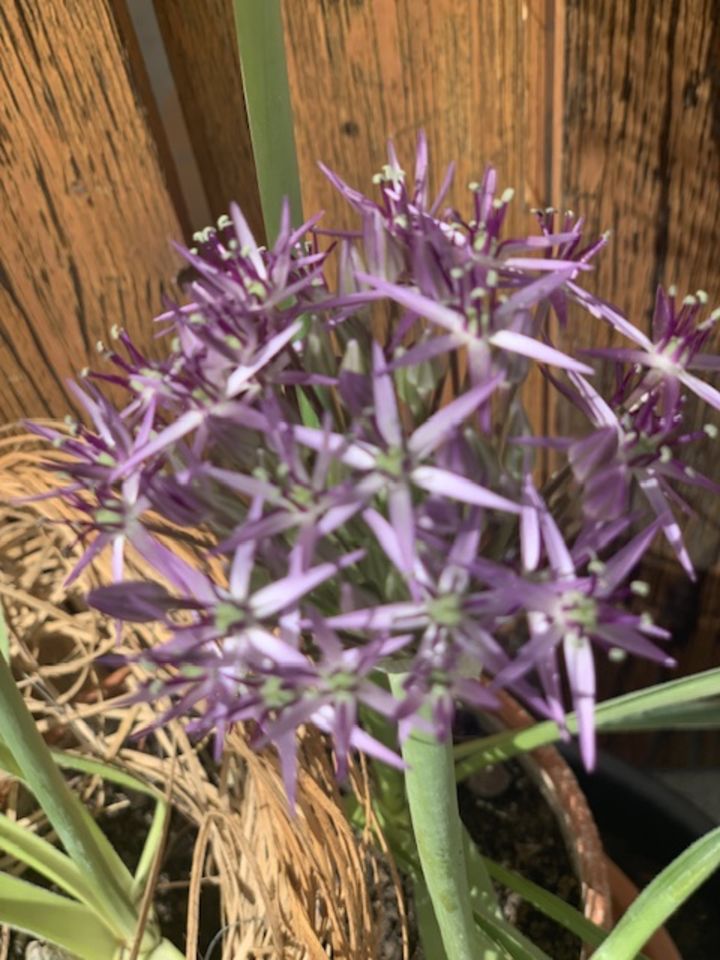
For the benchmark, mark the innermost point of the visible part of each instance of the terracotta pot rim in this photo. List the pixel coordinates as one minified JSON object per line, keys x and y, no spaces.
{"x":577,"y":825}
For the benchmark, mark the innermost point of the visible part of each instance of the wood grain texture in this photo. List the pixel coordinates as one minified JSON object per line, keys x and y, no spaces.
{"x":477,"y":77}
{"x":642,"y":157}
{"x":85,"y":215}
{"x":202,"y":51}
{"x":642,"y":141}
{"x":473,"y":75}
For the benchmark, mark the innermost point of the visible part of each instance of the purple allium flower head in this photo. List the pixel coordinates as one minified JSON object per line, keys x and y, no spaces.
{"x":570,"y":611}
{"x":637,"y":444}
{"x":661,"y":367}
{"x":366,"y":496}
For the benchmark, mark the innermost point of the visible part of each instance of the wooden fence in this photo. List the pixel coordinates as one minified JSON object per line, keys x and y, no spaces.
{"x":610,"y":107}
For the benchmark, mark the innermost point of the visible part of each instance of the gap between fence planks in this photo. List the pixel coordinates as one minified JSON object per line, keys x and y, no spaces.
{"x":86,"y":218}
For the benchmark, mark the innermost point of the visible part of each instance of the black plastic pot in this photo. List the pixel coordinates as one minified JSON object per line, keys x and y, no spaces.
{"x":644,"y":825}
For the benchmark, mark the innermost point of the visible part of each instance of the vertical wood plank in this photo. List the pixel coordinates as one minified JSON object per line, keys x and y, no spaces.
{"x":477,"y":77}
{"x":642,"y":133}
{"x":472,"y":75}
{"x":85,"y":216}
{"x":200,"y":41}
{"x":642,"y":157}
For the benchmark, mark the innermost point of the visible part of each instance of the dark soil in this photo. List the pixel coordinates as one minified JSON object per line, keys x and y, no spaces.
{"x":509,"y":820}
{"x":127,"y":830}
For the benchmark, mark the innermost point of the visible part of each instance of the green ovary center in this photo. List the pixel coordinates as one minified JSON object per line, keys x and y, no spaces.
{"x":275,"y":695}
{"x":579,"y":610}
{"x":228,"y":615}
{"x":392,"y":462}
{"x":446,"y":611}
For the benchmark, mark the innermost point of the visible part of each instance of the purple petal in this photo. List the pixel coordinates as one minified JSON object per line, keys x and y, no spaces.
{"x":338,"y":515}
{"x":386,"y":410}
{"x":652,"y":490}
{"x":185,"y":424}
{"x":288,"y":590}
{"x":704,"y":361}
{"x":544,"y":637}
{"x":598,"y":308}
{"x":170,"y":565}
{"x":626,"y":355}
{"x":365,"y":743}
{"x":248,"y":246}
{"x":353,"y":196}
{"x":413,"y":300}
{"x":703,"y":390}
{"x":545,"y":263}
{"x":601,"y":413}
{"x":528,"y":296}
{"x":536,"y":350}
{"x":634,"y":642}
{"x":448,"y":484}
{"x":278,"y":650}
{"x":389,"y":616}
{"x":444,"y":187}
{"x":240,"y":482}
{"x":137,"y":601}
{"x":555,"y":546}
{"x":529,"y":537}
{"x":402,"y":517}
{"x":624,"y":561}
{"x":463,"y":551}
{"x":244,"y":556}
{"x":239,"y":377}
{"x":95,"y":548}
{"x":350,"y":453}
{"x":426,"y":350}
{"x":435,"y":430}
{"x":581,"y":676}
{"x":287,"y":752}
{"x":388,"y":539}
{"x":597,"y":448}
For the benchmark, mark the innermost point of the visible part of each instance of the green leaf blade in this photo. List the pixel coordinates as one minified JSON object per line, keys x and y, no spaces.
{"x":59,"y":920}
{"x":650,"y":708}
{"x":267,"y":96}
{"x":47,"y":860}
{"x":661,"y":898}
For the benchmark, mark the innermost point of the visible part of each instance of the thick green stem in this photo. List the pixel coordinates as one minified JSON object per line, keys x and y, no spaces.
{"x":432,"y":798}
{"x":63,"y":809}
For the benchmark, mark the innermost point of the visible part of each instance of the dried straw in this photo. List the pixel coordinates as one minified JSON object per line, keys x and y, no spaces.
{"x":297,"y":887}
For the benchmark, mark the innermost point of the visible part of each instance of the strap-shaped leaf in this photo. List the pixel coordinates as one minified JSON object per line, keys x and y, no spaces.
{"x":550,"y":904}
{"x":99,"y":768}
{"x":152,"y":847}
{"x":652,"y":708}
{"x":47,"y":860}
{"x":660,"y":899}
{"x":59,"y":920}
{"x":265,"y":83}
{"x":7,"y":763}
{"x":84,"y":843}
